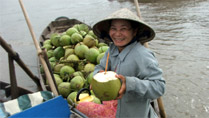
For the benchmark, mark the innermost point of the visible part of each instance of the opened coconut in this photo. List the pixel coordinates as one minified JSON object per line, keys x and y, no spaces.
{"x":105,"y":85}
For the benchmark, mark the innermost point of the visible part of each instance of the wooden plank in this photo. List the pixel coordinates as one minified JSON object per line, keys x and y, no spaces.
{"x":13,"y":81}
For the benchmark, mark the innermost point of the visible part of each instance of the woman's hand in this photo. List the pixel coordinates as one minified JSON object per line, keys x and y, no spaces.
{"x":101,"y":71}
{"x":123,"y":86}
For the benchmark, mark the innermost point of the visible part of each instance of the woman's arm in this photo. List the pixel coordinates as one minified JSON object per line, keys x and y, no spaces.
{"x":149,"y":85}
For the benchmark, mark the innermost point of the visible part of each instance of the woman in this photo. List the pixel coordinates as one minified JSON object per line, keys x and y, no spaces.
{"x":135,"y":65}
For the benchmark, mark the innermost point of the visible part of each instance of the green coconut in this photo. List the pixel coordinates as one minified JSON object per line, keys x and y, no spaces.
{"x":59,"y":52}
{"x":77,"y":83}
{"x":96,"y":100}
{"x":105,"y":85}
{"x":50,"y":53}
{"x":58,"y":79}
{"x":63,"y":33}
{"x":91,"y":55}
{"x":68,"y":51}
{"x":102,"y":44}
{"x":83,"y":33}
{"x":47,"y":46}
{"x":89,"y":67}
{"x":52,"y":59}
{"x":83,"y":27}
{"x":89,"y":41}
{"x":80,"y":50}
{"x":65,"y":40}
{"x":78,"y":73}
{"x":52,"y":64}
{"x":66,"y":71}
{"x":90,"y":77}
{"x":64,"y":89}
{"x":55,"y":39}
{"x":72,"y":57}
{"x":76,"y":26}
{"x":97,"y":42}
{"x":99,"y":57}
{"x":71,"y":31}
{"x":58,"y":67}
{"x":71,"y":97}
{"x":103,"y":49}
{"x":92,"y":34}
{"x":48,"y":41}
{"x":80,"y":66}
{"x":76,"y":38}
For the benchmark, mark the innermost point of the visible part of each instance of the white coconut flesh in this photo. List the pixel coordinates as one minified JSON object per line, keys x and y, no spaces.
{"x":105,"y":76}
{"x":105,"y":85}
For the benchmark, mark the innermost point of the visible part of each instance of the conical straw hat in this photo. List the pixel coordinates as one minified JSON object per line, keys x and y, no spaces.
{"x":145,"y":32}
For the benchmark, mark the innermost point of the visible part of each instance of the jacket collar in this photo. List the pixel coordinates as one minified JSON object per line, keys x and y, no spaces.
{"x":115,"y":52}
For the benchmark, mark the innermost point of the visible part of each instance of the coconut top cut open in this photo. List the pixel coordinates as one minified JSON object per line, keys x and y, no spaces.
{"x":105,"y":76}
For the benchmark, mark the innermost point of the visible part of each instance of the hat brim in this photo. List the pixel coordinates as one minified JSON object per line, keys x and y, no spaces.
{"x":144,"y":34}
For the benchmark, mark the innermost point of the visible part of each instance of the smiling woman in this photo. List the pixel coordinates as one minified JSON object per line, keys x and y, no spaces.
{"x":136,"y":66}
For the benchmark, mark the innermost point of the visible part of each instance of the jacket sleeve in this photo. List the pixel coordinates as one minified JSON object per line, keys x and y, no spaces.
{"x":149,"y":84}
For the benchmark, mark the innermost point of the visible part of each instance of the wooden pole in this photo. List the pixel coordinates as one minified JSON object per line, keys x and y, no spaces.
{"x":161,"y":107}
{"x":159,"y":100}
{"x":14,"y":55}
{"x":139,"y":14}
{"x":39,"y":51}
{"x":13,"y":81}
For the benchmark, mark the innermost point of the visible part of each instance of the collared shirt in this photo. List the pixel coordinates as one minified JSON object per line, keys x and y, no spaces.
{"x":144,"y":81}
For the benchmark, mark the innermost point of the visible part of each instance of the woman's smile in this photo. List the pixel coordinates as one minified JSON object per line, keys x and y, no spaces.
{"x":121,"y":33}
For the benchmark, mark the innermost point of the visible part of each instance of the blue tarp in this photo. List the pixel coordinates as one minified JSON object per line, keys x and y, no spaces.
{"x":56,"y":107}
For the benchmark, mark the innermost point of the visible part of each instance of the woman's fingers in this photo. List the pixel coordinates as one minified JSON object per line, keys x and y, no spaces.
{"x":101,"y":71}
{"x":123,"y":86}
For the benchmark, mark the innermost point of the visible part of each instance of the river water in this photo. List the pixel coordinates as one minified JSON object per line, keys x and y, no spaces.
{"x":181,"y":43}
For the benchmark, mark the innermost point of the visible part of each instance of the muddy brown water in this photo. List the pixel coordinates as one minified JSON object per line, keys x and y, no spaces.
{"x":181,"y":43}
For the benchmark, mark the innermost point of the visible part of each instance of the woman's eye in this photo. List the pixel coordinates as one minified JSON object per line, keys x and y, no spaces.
{"x":123,"y":29}
{"x":113,"y":29}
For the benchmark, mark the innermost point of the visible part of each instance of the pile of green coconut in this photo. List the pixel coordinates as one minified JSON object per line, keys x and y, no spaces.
{"x":73,"y":55}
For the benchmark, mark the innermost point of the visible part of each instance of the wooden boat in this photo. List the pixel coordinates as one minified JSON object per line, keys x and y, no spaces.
{"x":60,"y":25}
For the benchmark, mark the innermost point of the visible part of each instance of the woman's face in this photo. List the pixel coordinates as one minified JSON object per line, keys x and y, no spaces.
{"x":121,"y":33}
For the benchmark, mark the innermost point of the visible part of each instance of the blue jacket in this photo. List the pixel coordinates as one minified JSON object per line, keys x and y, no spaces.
{"x":144,"y":81}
